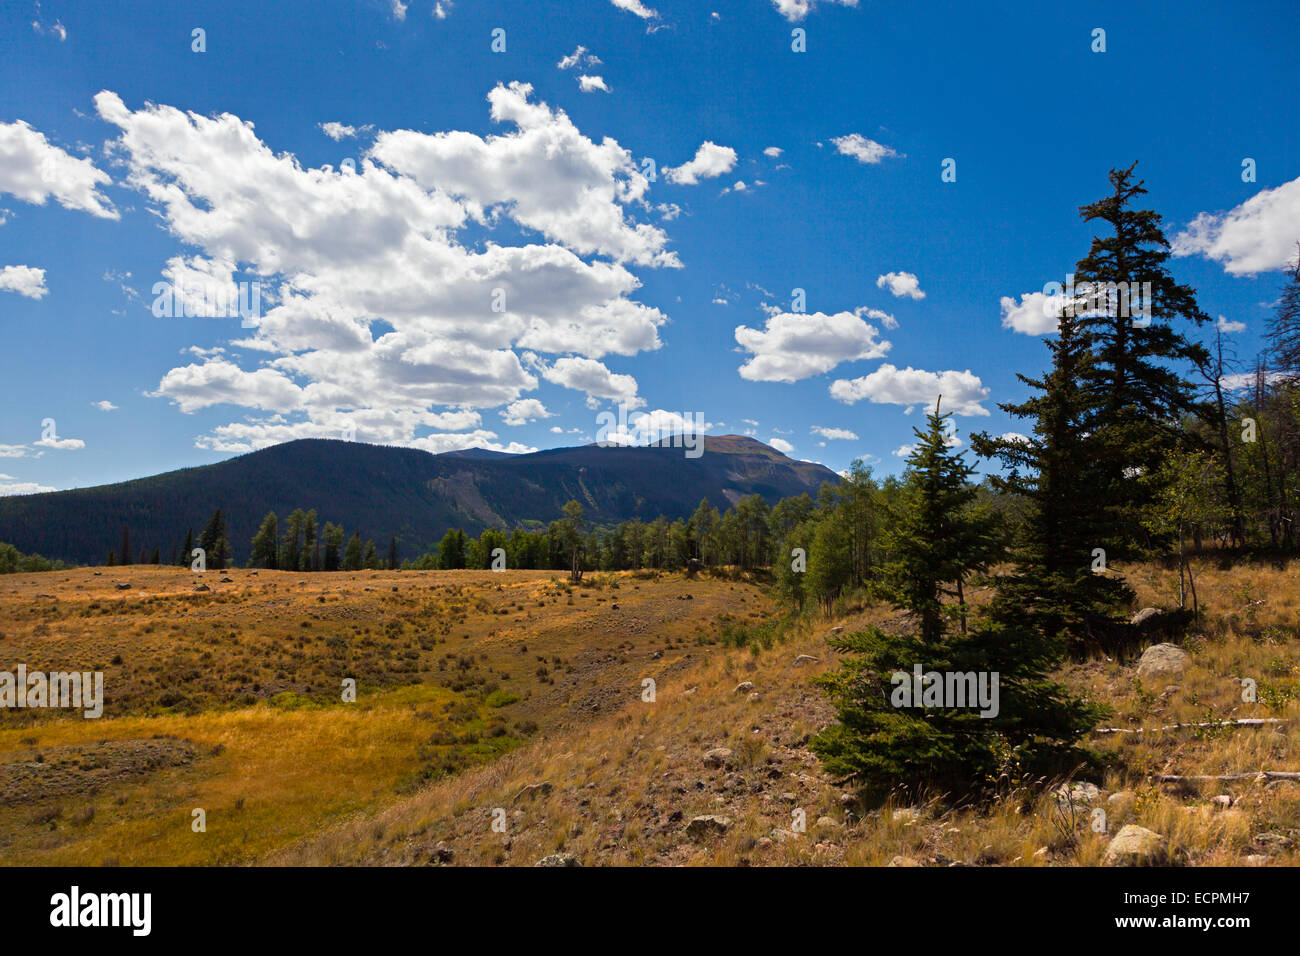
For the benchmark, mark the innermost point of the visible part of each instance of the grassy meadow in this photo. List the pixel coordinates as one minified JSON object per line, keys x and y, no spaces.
{"x":502,"y":718}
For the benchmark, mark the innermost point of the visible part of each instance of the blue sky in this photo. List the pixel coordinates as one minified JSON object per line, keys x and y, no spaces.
{"x":617,"y":207}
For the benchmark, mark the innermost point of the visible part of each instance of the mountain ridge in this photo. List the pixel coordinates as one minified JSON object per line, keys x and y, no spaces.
{"x":385,"y":491}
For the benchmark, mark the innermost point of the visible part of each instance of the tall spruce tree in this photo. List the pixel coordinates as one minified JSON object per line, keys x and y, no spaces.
{"x":938,"y":536}
{"x":214,"y":542}
{"x":353,"y":556}
{"x":1126,"y":314}
{"x":263,"y":551}
{"x":1061,"y":584}
{"x":886,"y":741}
{"x":291,"y":549}
{"x":307,"y":561}
{"x":333,"y":537}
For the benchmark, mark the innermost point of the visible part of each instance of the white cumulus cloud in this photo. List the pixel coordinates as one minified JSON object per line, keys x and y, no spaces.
{"x":1260,"y":235}
{"x":962,"y":391}
{"x":524,"y":411}
{"x":34,"y":169}
{"x":338,"y":131}
{"x":835,"y":433}
{"x":795,"y":345}
{"x":796,"y":10}
{"x":25,"y":280}
{"x":1037,"y":313}
{"x":864,"y":150}
{"x":710,"y":161}
{"x":636,"y":7}
{"x":378,"y":316}
{"x":901,"y":284}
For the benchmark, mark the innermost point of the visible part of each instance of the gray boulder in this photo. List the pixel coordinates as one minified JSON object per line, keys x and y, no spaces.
{"x":1162,"y":660}
{"x":1137,"y":846}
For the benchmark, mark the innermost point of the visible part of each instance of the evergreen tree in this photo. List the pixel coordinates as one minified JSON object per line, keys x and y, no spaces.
{"x":392,"y":553}
{"x":451,"y":550}
{"x":157,"y":556}
{"x":214,"y":543}
{"x":885,"y":740}
{"x":1061,"y":584}
{"x":188,"y":550}
{"x":333,"y":536}
{"x":307,"y":560}
{"x":263,"y":551}
{"x":124,"y":553}
{"x":937,"y":535}
{"x":111,"y":560}
{"x":353,"y":557}
{"x":1137,"y":395}
{"x":371,"y":559}
{"x":291,"y":540}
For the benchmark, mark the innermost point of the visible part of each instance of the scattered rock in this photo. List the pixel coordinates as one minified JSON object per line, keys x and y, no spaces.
{"x":441,"y":854}
{"x":803,"y":659}
{"x":202,"y":587}
{"x":753,"y":697}
{"x":827,"y":823}
{"x":558,"y":859}
{"x":1144,"y":615}
{"x":901,"y":860}
{"x":1256,"y":860}
{"x":227,"y":580}
{"x":123,"y":587}
{"x":1161,"y":659}
{"x":706,"y":826}
{"x":744,"y":687}
{"x":1077,"y":794}
{"x":1121,"y":804}
{"x":907,"y":815}
{"x":1223,"y":801}
{"x":534,"y":790}
{"x":717,"y":758}
{"x":1272,"y":842}
{"x":1137,"y":846}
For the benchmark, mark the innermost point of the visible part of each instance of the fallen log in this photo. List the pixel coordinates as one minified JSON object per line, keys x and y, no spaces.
{"x":1256,"y":775}
{"x":1242,"y":722}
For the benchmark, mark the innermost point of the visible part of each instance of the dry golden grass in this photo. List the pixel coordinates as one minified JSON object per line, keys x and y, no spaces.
{"x":453,"y":669}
